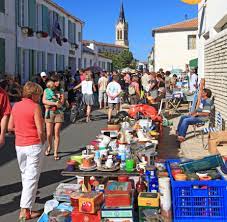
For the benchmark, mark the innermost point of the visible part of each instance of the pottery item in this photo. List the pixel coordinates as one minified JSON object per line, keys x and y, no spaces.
{"x":180,"y":177}
{"x":87,"y":162}
{"x":109,"y":163}
{"x":141,"y":166}
{"x":59,"y":216}
{"x":123,"y":178}
{"x":130,"y":165}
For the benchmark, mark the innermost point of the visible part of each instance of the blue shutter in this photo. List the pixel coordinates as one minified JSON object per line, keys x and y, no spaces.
{"x":2,"y":56}
{"x":2,"y":6}
{"x":45,"y":19}
{"x":44,"y":61}
{"x":63,"y":28}
{"x":31,"y":63}
{"x":32,"y":14}
{"x":74,"y":31}
{"x":19,"y":52}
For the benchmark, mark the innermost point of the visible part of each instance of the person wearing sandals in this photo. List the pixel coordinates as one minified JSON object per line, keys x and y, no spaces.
{"x":87,"y":88}
{"x":27,"y":122}
{"x":54,"y":114}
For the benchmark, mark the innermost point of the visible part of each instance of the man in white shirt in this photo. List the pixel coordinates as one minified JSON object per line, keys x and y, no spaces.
{"x":193,"y":81}
{"x":102,"y":84}
{"x":145,"y":79}
{"x":113,"y":92}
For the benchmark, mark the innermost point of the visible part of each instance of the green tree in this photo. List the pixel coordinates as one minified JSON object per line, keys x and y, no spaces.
{"x":121,"y":60}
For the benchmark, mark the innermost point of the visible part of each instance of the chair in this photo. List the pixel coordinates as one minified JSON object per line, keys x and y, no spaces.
{"x":218,"y":127}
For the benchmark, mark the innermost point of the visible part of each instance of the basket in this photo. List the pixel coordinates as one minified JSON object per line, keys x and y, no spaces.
{"x":203,"y":201}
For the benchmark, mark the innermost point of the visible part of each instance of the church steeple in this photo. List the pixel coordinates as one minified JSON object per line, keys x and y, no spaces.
{"x":122,"y":29}
{"x":122,"y":14}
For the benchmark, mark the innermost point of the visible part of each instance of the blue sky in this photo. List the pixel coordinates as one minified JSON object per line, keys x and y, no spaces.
{"x":100,"y":17}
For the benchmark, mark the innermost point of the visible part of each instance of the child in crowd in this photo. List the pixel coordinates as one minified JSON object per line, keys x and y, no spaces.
{"x":51,"y":96}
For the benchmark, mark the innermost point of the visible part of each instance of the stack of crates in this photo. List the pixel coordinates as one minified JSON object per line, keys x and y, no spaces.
{"x":203,"y":201}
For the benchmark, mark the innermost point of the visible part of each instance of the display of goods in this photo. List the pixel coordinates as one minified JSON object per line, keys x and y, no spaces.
{"x":118,"y":212}
{"x":90,"y":202}
{"x":118,"y":220}
{"x":148,"y":212}
{"x":83,"y":217}
{"x":57,"y":215}
{"x":74,"y":199}
{"x":148,"y":200}
{"x":118,"y":194}
{"x":206,"y":163}
{"x":64,"y":190}
{"x":198,"y":200}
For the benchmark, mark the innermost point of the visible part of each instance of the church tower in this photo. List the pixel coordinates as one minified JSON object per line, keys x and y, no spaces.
{"x":122,"y":29}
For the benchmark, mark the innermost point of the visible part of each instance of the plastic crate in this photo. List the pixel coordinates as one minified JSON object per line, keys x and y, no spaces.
{"x":203,"y":201}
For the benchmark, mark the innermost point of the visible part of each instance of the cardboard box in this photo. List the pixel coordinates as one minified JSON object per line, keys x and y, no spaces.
{"x":148,"y":200}
{"x":90,"y":202}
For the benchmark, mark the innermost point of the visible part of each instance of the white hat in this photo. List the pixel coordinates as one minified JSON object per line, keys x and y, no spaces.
{"x":43,"y":74}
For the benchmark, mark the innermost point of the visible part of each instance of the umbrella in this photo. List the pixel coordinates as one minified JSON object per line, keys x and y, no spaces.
{"x":191,"y":2}
{"x":94,"y":69}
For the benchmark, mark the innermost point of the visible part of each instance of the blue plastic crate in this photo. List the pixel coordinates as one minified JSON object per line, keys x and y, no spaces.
{"x":203,"y":201}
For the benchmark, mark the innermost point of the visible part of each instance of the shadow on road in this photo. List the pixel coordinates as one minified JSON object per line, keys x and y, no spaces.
{"x":46,"y":178}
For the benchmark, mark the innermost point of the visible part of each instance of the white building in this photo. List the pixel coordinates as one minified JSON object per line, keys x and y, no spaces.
{"x":7,"y":36}
{"x":175,"y":45}
{"x":213,"y":51}
{"x":91,"y":57}
{"x":37,"y":52}
{"x":150,"y":60}
{"x":26,"y":30}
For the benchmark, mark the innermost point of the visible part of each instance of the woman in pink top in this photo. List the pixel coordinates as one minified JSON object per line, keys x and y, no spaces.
{"x":27,"y":123}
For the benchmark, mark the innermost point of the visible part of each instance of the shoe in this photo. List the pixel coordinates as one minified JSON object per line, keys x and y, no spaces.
{"x":47,"y":152}
{"x":181,"y":139}
{"x":29,"y":215}
{"x":56,"y":157}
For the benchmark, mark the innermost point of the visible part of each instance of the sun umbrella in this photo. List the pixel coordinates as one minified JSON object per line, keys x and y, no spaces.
{"x":191,"y":2}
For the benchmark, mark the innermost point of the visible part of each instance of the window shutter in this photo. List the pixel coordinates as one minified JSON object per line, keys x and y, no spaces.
{"x":2,"y":6}
{"x":45,"y":19}
{"x":31,"y":63}
{"x":74,"y":31}
{"x":63,"y":26}
{"x":2,"y":56}
{"x":44,"y":61}
{"x":18,"y":11}
{"x":32,"y":14}
{"x":19,"y":60}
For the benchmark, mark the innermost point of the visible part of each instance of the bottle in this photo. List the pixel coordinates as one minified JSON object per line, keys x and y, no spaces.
{"x":140,"y":185}
{"x":123,"y":159}
{"x":153,"y":182}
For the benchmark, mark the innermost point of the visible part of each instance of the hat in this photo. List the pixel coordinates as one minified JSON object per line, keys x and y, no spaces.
{"x":43,"y":74}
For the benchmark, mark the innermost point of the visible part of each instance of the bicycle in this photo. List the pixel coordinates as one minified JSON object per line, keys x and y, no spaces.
{"x":78,"y":108}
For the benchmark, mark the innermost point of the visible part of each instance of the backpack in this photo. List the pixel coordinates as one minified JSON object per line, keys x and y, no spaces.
{"x":131,"y":90}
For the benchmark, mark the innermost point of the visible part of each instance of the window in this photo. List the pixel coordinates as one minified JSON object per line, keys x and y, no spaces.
{"x":90,"y":62}
{"x":2,"y":56}
{"x":60,"y":62}
{"x":79,"y":36}
{"x":126,"y":35}
{"x":71,"y":32}
{"x":79,"y":63}
{"x":224,"y":27}
{"x":85,"y":62}
{"x":2,"y":6}
{"x":120,"y":35}
{"x":191,"y":42}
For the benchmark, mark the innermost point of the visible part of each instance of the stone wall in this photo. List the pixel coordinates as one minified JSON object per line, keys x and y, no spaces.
{"x":216,"y":71}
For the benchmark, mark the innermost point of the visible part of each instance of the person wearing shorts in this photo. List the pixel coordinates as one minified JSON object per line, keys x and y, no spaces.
{"x":113,"y":92}
{"x":55,"y":118}
{"x":102,"y":84}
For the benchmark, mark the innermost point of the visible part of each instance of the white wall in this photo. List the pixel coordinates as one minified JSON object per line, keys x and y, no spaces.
{"x":8,"y":32}
{"x":171,"y":50}
{"x":88,"y":57}
{"x":214,"y":12}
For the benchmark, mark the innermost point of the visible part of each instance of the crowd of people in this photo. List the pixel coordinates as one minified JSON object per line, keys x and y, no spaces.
{"x":38,"y":108}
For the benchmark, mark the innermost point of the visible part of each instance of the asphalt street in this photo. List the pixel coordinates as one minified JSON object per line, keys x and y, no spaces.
{"x":73,"y":138}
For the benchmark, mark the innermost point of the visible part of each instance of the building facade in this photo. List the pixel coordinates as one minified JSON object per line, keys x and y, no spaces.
{"x":38,"y":35}
{"x":91,"y":57}
{"x":150,"y":61}
{"x":212,"y":58}
{"x":175,"y":45}
{"x":7,"y":37}
{"x":55,"y":42}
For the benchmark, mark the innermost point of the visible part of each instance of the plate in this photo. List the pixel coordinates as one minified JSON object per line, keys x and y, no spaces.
{"x":103,"y":169}
{"x":92,"y":168}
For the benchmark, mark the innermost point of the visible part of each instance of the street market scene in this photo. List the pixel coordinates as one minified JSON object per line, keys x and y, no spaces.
{"x":113,"y":112}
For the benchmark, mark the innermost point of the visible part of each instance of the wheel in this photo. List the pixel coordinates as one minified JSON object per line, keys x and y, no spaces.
{"x":74,"y":115}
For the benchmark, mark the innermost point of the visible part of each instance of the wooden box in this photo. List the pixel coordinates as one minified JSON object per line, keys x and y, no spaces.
{"x":118,"y":194}
{"x":148,"y":200}
{"x":90,"y":202}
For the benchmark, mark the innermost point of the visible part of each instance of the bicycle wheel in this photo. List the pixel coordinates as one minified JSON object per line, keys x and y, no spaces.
{"x":74,"y":115}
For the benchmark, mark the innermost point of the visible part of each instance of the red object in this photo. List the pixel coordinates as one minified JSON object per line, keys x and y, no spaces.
{"x":146,"y":110}
{"x":4,"y":104}
{"x":176,"y":171}
{"x":25,"y":128}
{"x":118,"y":194}
{"x":83,"y":217}
{"x":123,"y":179}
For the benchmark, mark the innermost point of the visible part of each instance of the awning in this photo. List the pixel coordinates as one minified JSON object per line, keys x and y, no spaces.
{"x":191,"y":2}
{"x":193,"y":63}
